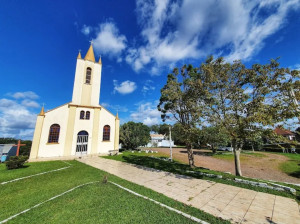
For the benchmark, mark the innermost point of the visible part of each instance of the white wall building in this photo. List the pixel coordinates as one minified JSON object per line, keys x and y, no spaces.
{"x":159,"y":140}
{"x":82,"y":126}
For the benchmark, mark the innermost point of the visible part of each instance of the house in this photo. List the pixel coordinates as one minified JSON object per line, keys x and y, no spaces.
{"x":285,"y":133}
{"x":159,"y":140}
{"x":6,"y":151}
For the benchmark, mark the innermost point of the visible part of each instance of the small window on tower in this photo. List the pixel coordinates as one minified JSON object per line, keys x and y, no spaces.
{"x":87,"y":115}
{"x":88,"y":75}
{"x":82,"y":115}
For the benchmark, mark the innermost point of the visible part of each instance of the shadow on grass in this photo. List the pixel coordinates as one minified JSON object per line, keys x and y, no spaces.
{"x":296,"y":173}
{"x":201,"y":153}
{"x":156,"y":165}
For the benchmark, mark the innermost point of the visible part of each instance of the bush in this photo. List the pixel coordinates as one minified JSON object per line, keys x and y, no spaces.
{"x":16,"y":162}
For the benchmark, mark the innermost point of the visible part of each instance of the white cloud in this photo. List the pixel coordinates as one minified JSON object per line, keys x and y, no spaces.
{"x":30,"y":103}
{"x":148,"y":87}
{"x":190,"y":29}
{"x":23,"y":95}
{"x":16,"y":120}
{"x":146,"y":113}
{"x":117,"y":108}
{"x":86,"y":30}
{"x":125,"y":87}
{"x":108,"y":40}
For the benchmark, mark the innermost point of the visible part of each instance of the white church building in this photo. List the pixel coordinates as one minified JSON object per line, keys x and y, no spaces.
{"x":80,"y":127}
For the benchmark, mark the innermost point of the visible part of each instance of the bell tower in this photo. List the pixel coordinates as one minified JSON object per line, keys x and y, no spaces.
{"x":86,"y":90}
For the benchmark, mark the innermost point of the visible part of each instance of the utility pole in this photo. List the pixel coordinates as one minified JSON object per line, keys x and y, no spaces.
{"x":170,"y":140}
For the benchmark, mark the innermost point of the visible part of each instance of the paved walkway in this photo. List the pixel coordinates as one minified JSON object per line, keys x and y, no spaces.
{"x":236,"y":204}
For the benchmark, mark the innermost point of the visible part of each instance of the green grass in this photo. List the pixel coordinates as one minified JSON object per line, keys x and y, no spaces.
{"x":35,"y":168}
{"x":292,"y":166}
{"x":180,"y":168}
{"x":96,"y":203}
{"x":243,"y":157}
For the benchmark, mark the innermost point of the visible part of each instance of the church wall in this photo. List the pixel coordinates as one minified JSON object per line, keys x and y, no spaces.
{"x":56,"y":116}
{"x":83,"y":125}
{"x":106,"y":118}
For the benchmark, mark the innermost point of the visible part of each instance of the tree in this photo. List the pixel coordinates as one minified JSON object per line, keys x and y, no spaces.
{"x":214,"y":136}
{"x":177,"y":100}
{"x":177,"y":136}
{"x":244,"y":101}
{"x":133,"y":135}
{"x":154,"y":128}
{"x":164,"y":129}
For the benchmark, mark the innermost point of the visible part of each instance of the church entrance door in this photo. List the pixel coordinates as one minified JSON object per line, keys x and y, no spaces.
{"x":82,"y":142}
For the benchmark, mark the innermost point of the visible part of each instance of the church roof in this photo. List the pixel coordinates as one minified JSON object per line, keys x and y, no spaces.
{"x":90,"y":54}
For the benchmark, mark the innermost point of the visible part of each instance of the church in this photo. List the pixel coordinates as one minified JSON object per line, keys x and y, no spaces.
{"x":81,"y":127}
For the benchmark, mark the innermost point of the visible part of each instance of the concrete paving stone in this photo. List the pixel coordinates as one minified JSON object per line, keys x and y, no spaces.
{"x":251,"y":217}
{"x":217,"y":204}
{"x":211,"y":210}
{"x":261,"y":211}
{"x":284,"y":218}
{"x":239,"y":204}
{"x":234,"y":210}
{"x":231,"y":217}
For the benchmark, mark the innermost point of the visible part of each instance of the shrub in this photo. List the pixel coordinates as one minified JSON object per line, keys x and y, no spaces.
{"x":16,"y":162}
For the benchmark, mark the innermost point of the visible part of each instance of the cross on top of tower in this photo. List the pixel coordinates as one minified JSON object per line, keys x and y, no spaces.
{"x":91,"y":41}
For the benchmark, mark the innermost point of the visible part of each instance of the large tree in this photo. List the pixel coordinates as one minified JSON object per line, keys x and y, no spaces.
{"x":244,"y":101}
{"x":214,"y":136}
{"x":177,"y":102}
{"x":133,"y":135}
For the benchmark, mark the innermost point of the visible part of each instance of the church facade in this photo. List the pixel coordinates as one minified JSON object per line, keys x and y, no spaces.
{"x":81,"y":127}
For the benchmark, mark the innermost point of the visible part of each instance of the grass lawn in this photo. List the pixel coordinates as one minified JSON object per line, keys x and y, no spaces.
{"x":145,"y":159}
{"x":95,"y":203}
{"x":245,"y":155}
{"x":292,"y":166}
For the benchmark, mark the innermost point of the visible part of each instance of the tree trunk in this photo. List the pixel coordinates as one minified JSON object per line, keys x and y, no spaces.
{"x":190,"y":155}
{"x":237,"y":151}
{"x":214,"y":149}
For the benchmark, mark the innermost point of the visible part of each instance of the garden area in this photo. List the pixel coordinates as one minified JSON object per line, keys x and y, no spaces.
{"x":76,"y":193}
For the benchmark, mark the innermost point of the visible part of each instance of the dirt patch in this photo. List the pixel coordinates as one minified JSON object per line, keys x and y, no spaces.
{"x":266,"y":167}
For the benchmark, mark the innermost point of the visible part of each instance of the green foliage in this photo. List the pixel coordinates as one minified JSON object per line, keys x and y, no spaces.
{"x":155,"y":128}
{"x":177,"y":135}
{"x":178,"y":100}
{"x":214,"y":136}
{"x":133,"y":135}
{"x":16,"y":162}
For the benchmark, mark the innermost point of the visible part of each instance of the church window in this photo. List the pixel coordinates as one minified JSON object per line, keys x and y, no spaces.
{"x":82,"y":115}
{"x":54,"y":133}
{"x":106,"y":133}
{"x":88,"y":75}
{"x":87,"y":115}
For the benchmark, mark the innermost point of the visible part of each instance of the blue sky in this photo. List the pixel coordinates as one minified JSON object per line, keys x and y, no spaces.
{"x":140,"y":42}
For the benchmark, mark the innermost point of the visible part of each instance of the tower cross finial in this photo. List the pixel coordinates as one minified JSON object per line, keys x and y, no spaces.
{"x":91,"y":41}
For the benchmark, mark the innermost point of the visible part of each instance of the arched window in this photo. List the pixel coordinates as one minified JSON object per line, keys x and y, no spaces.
{"x":82,"y":115}
{"x":88,"y":75}
{"x":54,"y":133}
{"x":87,"y":115}
{"x":106,"y":133}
